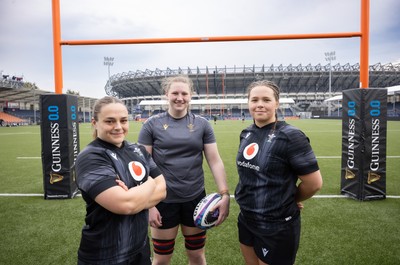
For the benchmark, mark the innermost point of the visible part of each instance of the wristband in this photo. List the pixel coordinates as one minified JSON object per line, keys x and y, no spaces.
{"x":225,"y":192}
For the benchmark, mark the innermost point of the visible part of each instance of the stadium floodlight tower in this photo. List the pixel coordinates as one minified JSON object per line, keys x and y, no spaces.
{"x":109,"y":61}
{"x":330,"y":56}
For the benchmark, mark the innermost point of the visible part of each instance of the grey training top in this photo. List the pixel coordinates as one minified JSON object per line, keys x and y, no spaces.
{"x":178,"y":146}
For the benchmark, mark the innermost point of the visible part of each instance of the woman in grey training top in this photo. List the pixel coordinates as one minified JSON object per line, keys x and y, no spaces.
{"x":177,"y":140}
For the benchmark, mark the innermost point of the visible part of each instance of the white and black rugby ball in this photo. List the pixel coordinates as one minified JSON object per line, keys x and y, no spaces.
{"x":203,"y":217}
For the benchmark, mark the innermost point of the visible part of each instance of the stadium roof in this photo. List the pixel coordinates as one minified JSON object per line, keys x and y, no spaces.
{"x":14,"y":91}
{"x":390,"y":91}
{"x":293,"y":80}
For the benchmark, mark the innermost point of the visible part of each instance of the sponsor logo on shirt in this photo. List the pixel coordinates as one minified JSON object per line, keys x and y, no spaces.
{"x":249,"y":152}
{"x":137,"y":170}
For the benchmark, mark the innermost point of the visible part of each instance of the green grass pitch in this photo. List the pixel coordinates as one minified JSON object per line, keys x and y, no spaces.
{"x":335,"y":230}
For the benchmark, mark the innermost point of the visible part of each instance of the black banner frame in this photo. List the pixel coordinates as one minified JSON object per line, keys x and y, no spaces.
{"x":364,"y":133}
{"x":60,"y":145}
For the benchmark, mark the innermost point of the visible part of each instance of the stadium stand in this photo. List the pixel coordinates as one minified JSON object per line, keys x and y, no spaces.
{"x":22,"y":101}
{"x":10,"y":120}
{"x":307,"y":85}
{"x":298,"y":81}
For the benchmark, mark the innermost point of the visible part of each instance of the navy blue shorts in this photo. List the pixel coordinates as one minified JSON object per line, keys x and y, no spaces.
{"x":272,"y":246}
{"x":174,"y":214}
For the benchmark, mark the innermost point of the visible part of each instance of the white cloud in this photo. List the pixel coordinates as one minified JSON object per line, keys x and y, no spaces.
{"x":26,"y":45}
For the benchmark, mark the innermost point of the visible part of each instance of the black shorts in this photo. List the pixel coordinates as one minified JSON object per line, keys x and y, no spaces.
{"x":173,"y":214}
{"x":272,"y":246}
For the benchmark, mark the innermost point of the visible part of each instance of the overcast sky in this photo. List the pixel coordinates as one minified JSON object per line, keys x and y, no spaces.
{"x":26,"y":41}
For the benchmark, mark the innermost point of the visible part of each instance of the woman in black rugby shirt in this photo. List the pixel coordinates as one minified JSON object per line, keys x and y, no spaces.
{"x":273,"y":157}
{"x":119,"y":181}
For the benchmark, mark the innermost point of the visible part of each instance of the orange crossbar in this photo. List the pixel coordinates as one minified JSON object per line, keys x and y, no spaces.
{"x":214,"y":39}
{"x":364,"y":44}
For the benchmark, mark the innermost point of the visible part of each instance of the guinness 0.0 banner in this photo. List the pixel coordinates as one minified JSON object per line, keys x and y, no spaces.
{"x":60,"y":145}
{"x":364,"y":125}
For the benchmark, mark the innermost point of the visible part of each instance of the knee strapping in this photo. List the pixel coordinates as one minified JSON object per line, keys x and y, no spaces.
{"x":197,"y":241}
{"x":163,"y":247}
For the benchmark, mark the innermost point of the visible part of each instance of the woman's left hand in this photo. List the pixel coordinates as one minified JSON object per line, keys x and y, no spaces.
{"x":300,"y":205}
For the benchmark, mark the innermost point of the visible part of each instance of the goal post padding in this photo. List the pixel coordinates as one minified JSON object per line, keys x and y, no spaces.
{"x":60,"y":144}
{"x":364,"y":132}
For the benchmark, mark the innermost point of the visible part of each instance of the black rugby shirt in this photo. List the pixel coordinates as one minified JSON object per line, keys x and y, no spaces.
{"x":109,"y":238}
{"x":269,"y":163}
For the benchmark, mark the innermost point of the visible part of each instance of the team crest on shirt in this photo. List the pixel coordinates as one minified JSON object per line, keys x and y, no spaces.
{"x":138,"y":151}
{"x":250,"y":151}
{"x":270,"y":137}
{"x":137,"y":170}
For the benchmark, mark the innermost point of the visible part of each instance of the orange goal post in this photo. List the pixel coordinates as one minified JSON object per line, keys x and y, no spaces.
{"x":363,"y":35}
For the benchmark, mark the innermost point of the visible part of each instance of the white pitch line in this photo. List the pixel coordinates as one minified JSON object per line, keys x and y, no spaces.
{"x":337,"y":157}
{"x":24,"y":195}
{"x":20,"y":194}
{"x":28,"y":157}
{"x":345,"y":197}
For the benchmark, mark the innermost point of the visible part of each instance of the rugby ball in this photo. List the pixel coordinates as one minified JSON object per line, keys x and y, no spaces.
{"x":203,"y":217}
